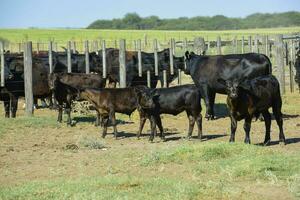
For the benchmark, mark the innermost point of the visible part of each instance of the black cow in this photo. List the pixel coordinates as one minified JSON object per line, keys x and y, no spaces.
{"x":65,"y":87}
{"x":174,"y":100}
{"x":108,"y":101}
{"x":206,"y":70}
{"x":148,"y":62}
{"x":251,"y":98}
{"x":14,"y":81}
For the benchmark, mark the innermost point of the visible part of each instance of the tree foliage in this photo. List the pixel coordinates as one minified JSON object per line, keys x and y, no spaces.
{"x":218,"y":22}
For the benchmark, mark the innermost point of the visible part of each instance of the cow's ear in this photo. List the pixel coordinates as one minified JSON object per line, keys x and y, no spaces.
{"x":221,"y":81}
{"x":187,"y":55}
{"x":245,"y":85}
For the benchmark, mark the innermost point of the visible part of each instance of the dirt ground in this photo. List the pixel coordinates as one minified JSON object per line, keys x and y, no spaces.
{"x":33,"y":154}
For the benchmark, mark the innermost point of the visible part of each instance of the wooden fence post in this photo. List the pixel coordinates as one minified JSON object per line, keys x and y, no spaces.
{"x":104,"y":73}
{"x":179,"y":76}
{"x":148,"y":78}
{"x":145,"y":39}
{"x":250,"y":43}
{"x":267,"y":45}
{"x":69,"y":61}
{"x":171,"y":52}
{"x":291,"y":64}
{"x":164,"y":78}
{"x":50,"y":50}
{"x":185,"y":47}
{"x":243,"y":45}
{"x":199,"y":45}
{"x":256,"y":44}
{"x":173,"y":45}
{"x":2,"y":78}
{"x":280,"y":62}
{"x":139,"y":48}
{"x":234,"y":44}
{"x":73,"y":47}
{"x":122,"y":61}
{"x":28,"y":78}
{"x":37,"y":47}
{"x":219,"y":52}
{"x":87,"y":57}
{"x":155,"y":57}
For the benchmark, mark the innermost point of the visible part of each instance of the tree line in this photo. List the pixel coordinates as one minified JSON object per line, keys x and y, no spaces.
{"x":218,"y":22}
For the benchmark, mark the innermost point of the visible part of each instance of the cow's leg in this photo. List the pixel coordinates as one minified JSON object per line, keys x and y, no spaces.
{"x":105,"y":124}
{"x":267,"y":118}
{"x":7,"y":108}
{"x":161,"y":129}
{"x":205,"y":91}
{"x":153,"y":128}
{"x":60,"y":111}
{"x":68,"y":111}
{"x":14,"y":106}
{"x":98,"y":119}
{"x":233,"y":128}
{"x":43,"y":102}
{"x":114,"y":122}
{"x":212,"y":97}
{"x":191,"y":124}
{"x":199,"y":124}
{"x":35,"y":103}
{"x":247,"y":127}
{"x":278,"y":116}
{"x":143,"y":119}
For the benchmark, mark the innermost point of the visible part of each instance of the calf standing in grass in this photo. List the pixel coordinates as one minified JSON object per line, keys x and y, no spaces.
{"x":65,"y":87}
{"x":175,"y":100}
{"x":250,"y":98}
{"x":108,"y":101}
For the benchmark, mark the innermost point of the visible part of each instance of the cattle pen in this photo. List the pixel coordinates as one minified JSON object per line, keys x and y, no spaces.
{"x":44,"y":159}
{"x":281,"y":50}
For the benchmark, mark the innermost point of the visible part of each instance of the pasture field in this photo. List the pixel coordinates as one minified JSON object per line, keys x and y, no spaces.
{"x":41,"y":159}
{"x":64,"y":35}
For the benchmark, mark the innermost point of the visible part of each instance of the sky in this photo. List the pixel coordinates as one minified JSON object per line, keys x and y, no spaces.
{"x":80,"y":13}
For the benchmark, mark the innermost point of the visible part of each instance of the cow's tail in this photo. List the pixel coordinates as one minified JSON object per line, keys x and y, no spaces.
{"x":269,"y":65}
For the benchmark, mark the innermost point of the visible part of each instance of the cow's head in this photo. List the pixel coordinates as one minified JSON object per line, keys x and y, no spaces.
{"x":52,"y":80}
{"x":145,"y":97}
{"x":233,"y":86}
{"x":188,"y":62}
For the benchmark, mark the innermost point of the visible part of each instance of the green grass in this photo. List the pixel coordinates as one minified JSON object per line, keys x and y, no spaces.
{"x":22,"y":123}
{"x":215,"y":171}
{"x":61,"y":36}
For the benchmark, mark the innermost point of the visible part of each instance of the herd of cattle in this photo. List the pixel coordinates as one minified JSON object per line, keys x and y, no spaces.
{"x":246,"y":79}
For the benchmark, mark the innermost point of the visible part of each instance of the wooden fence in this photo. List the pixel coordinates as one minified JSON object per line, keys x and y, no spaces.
{"x":280,"y":49}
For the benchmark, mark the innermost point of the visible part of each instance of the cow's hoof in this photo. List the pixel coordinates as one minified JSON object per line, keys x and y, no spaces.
{"x":267,"y":142}
{"x":199,"y":138}
{"x":282,"y":142}
{"x":247,"y":141}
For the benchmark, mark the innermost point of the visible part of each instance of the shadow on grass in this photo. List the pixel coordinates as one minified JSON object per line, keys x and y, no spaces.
{"x":287,"y":141}
{"x":90,"y":119}
{"x":195,"y":137}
